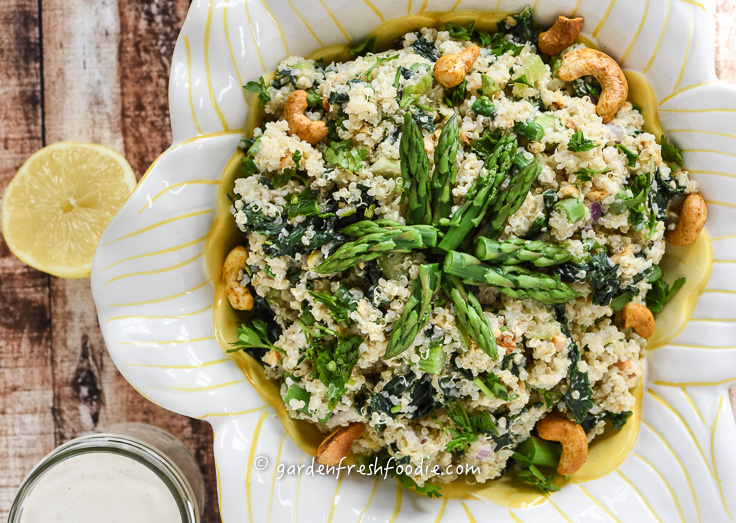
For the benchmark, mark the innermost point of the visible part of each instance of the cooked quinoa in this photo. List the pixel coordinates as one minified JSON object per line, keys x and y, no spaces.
{"x":601,"y":195}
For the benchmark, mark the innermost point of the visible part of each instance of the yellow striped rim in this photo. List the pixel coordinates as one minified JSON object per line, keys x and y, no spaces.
{"x":455,"y":5}
{"x":666,"y":483}
{"x":213,"y":99}
{"x":232,"y":53}
{"x":693,"y":406}
{"x":713,"y":456}
{"x":424,"y":6}
{"x":335,"y":498}
{"x":200,"y":389}
{"x":441,"y":512}
{"x":256,"y":43}
{"x":397,"y":506}
{"x":166,"y":342}
{"x":156,"y":253}
{"x":175,"y":186}
{"x":722,"y":204}
{"x":159,"y":224}
{"x":684,"y":90}
{"x":232,"y":414}
{"x":703,"y":110}
{"x":687,"y":49}
{"x":604,"y":18}
{"x":408,"y":8}
{"x":275,"y":473}
{"x":370,"y":499}
{"x":188,"y":48}
{"x":693,"y":2}
{"x":679,"y":462}
{"x":638,"y":493}
{"x":156,"y":271}
{"x":251,"y":457}
{"x":166,"y":298}
{"x":299,"y":484}
{"x":515,"y":518}
{"x":278,"y":27}
{"x":695,"y":383}
{"x":600,"y":505}
{"x":669,"y":407}
{"x":704,"y":347}
{"x":577,"y":6}
{"x":636,"y":34}
{"x":373,"y":8}
{"x":701,"y":131}
{"x":471,"y":519}
{"x":659,"y":41}
{"x":558,"y":509}
{"x":709,"y":151}
{"x":170,"y":317}
{"x":306,"y":24}
{"x":197,"y":365}
{"x":335,"y":19}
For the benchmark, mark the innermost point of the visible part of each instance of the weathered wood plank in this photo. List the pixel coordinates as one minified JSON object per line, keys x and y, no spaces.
{"x":26,"y":380}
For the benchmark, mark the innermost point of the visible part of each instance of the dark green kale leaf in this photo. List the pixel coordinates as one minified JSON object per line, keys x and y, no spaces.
{"x":618,"y":420}
{"x":599,"y":270}
{"x":583,"y":87}
{"x":579,"y":396}
{"x":425,"y":48}
{"x":457,"y":94}
{"x":665,"y":191}
{"x":523,"y":31}
{"x":284,"y":77}
{"x":500,"y":45}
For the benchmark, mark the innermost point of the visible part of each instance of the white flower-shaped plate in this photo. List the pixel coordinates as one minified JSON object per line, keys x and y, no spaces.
{"x":155,"y":299}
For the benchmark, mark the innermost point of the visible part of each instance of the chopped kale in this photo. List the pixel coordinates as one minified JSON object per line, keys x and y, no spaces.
{"x":284,"y":77}
{"x":587,"y":87}
{"x":523,"y":30}
{"x":579,"y":396}
{"x":579,"y":143}
{"x":599,"y":270}
{"x":665,"y":191}
{"x":457,"y":94}
{"x":423,"y":120}
{"x":425,"y":48}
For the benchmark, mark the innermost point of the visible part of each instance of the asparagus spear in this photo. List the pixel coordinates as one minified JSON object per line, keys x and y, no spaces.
{"x":416,"y":312}
{"x":470,"y":315}
{"x":511,"y":280}
{"x":516,"y":250}
{"x":356,"y":230}
{"x":370,"y":247}
{"x":445,"y":170}
{"x":415,"y":172}
{"x":472,"y":212}
{"x":511,"y":199}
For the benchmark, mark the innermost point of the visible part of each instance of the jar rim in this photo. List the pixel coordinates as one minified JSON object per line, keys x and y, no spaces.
{"x":140,"y":451}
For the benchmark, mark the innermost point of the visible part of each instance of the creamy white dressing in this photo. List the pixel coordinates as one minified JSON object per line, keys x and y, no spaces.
{"x":100,"y":487}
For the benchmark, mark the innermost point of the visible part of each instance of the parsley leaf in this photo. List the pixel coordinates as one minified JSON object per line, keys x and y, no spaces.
{"x":661,"y":293}
{"x":254,"y":336}
{"x":379,"y":61}
{"x":457,"y":94}
{"x":531,"y":474}
{"x":491,"y":387}
{"x":523,"y":80}
{"x":586,"y":173}
{"x":632,"y":156}
{"x":618,"y":420}
{"x":411,"y":93}
{"x":333,"y":363}
{"x":343,"y":154}
{"x":261,"y":89}
{"x":340,"y":305}
{"x":670,"y":153}
{"x":579,"y":143}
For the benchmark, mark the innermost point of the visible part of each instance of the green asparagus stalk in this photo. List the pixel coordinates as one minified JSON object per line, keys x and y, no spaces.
{"x":370,"y":247}
{"x":415,"y":172}
{"x":516,"y":250}
{"x":445,"y":170}
{"x":510,"y":280}
{"x":469,"y":313}
{"x":471,"y":213}
{"x":357,"y":230}
{"x":416,"y":311}
{"x":509,"y":201}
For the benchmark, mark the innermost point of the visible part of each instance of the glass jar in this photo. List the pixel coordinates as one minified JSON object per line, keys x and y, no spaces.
{"x":133,"y":467}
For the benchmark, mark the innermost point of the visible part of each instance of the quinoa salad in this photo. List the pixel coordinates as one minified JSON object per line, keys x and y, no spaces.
{"x":450,"y":249}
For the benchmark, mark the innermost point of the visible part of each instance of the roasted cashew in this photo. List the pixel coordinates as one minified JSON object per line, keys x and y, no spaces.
{"x":596,"y":195}
{"x":692,"y":220}
{"x":238,"y":295}
{"x":639,"y":318}
{"x":450,"y":69}
{"x":557,"y":427}
{"x":615,"y":88}
{"x":299,"y":124}
{"x":336,"y":446}
{"x":560,"y":36}
{"x":569,"y":191}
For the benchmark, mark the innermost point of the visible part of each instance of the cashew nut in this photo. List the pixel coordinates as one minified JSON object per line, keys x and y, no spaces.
{"x":596,"y":195}
{"x":615,"y":88}
{"x":639,"y":318}
{"x":299,"y":124}
{"x":569,"y":191}
{"x":336,"y":446}
{"x":692,"y":220}
{"x":237,"y":294}
{"x":561,"y":35}
{"x":556,"y":427}
{"x":450,"y":69}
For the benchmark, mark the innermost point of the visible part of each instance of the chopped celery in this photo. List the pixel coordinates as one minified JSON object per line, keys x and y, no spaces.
{"x":573,"y":208}
{"x":386,"y":167}
{"x":391,"y":266}
{"x":295,"y":392}
{"x":488,"y":86}
{"x":540,"y":452}
{"x":532,"y":68}
{"x":434,"y":361}
{"x":545,"y":120}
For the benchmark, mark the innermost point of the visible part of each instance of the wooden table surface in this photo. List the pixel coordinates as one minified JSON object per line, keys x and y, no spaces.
{"x":95,"y":71}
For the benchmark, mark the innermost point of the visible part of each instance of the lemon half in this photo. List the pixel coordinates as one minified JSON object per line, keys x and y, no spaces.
{"x":60,"y":201}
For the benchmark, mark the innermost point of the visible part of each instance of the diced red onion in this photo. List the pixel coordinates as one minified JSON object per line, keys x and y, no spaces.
{"x":595,"y":211}
{"x":484,"y":452}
